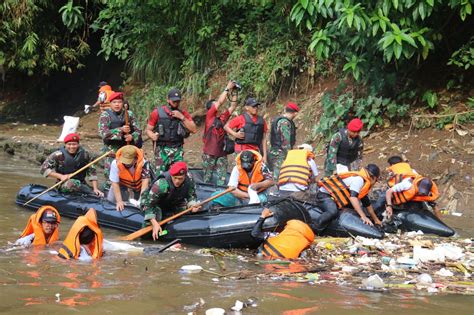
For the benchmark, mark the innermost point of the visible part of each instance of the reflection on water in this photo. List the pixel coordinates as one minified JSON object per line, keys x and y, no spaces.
{"x":36,"y":281}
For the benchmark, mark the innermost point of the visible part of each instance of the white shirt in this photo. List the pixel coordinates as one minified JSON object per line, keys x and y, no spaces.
{"x":300,"y":187}
{"x":404,"y":185}
{"x":234,"y":177}
{"x":84,"y":254}
{"x":114,"y":172}
{"x":25,"y":240}
{"x":354,"y":183}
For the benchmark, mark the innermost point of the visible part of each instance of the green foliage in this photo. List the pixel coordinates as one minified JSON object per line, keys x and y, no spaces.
{"x":370,"y":109}
{"x":33,"y":40}
{"x":464,"y":56}
{"x":430,"y":98}
{"x":72,"y":15}
{"x":178,"y":43}
{"x":380,"y":33}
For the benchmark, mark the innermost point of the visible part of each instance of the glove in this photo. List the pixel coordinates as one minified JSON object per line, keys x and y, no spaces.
{"x":25,"y":241}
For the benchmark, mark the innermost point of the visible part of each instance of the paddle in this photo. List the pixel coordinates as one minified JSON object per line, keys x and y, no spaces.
{"x":149,"y":228}
{"x":72,"y":175}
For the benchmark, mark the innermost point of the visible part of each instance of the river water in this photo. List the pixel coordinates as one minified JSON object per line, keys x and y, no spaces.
{"x":35,"y":282}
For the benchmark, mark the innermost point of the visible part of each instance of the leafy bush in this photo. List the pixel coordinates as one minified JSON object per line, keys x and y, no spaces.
{"x":337,"y":110}
{"x":369,"y":34}
{"x":36,"y":38}
{"x":464,"y":56}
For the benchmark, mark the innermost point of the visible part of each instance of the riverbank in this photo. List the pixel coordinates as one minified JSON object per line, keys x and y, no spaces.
{"x":445,"y":155}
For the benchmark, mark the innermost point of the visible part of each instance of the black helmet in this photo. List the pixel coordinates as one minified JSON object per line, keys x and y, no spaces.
{"x":247,"y":159}
{"x":424,"y":186}
{"x":394,"y":160}
{"x":373,"y":170}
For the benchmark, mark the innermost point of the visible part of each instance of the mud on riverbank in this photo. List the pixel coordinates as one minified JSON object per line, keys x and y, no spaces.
{"x":442,"y":154}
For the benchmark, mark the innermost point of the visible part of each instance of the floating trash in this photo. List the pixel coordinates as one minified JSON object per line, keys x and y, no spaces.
{"x":191,"y":269}
{"x":215,"y":311}
{"x":238,"y":306}
{"x":424,"y":278}
{"x":374,"y":282}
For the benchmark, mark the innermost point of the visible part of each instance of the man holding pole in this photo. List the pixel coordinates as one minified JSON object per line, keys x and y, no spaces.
{"x":172,"y":192}
{"x":117,"y":128}
{"x":63,"y":163}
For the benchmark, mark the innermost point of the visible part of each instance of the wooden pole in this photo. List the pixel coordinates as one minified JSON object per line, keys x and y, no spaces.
{"x":72,"y":175}
{"x":149,"y":228}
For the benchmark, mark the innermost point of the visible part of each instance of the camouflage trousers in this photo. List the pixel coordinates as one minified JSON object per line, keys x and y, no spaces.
{"x":107,"y":162}
{"x":276,"y":157}
{"x":73,"y":185}
{"x":214,"y":165}
{"x":165,"y":156}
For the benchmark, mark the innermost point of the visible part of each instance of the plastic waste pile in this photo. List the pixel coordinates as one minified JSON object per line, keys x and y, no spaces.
{"x":407,"y":261}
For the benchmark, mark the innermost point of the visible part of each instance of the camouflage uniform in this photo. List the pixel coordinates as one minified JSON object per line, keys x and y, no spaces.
{"x":165,"y":156}
{"x":331,"y":158}
{"x":218,"y":166}
{"x":151,"y":198}
{"x":277,"y":155}
{"x":115,"y":134}
{"x":55,"y":161}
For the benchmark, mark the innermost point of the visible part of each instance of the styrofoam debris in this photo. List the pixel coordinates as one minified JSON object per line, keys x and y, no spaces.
{"x":191,"y":269}
{"x":373,"y":282}
{"x":443,"y":272}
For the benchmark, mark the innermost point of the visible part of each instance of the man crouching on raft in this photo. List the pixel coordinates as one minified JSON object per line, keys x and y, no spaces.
{"x":347,"y":190}
{"x":42,"y":228}
{"x":172,"y":192}
{"x":68,"y":159}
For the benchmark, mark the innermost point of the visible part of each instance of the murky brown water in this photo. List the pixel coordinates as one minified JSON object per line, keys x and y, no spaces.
{"x":123,"y":283}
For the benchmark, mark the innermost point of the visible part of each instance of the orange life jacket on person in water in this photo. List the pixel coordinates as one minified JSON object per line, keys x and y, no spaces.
{"x":104,"y":97}
{"x":340,"y":192}
{"x":295,"y":168}
{"x":34,"y":226}
{"x":133,"y":181}
{"x":71,"y":248}
{"x":399,"y":172}
{"x":295,"y":237}
{"x":256,"y":175}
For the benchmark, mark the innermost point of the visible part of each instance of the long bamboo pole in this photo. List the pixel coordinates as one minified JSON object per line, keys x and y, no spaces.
{"x":72,"y":175}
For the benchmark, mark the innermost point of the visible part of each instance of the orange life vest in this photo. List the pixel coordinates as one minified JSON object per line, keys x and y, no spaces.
{"x":34,"y":226}
{"x":295,"y":168}
{"x":71,"y":248}
{"x":339,"y":191}
{"x":105,"y":102}
{"x":133,"y":181}
{"x":399,"y":172}
{"x":412,"y":193}
{"x":295,"y":238}
{"x":256,"y":173}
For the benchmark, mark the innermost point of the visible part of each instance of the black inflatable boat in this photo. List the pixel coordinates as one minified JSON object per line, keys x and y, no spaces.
{"x":225,"y":228}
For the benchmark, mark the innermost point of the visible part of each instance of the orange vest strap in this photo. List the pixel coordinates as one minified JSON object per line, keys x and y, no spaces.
{"x":267,"y":245}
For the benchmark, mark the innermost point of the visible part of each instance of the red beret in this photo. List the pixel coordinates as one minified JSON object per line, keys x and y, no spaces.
{"x":115,"y":96}
{"x":293,"y":106}
{"x":71,"y":137}
{"x":178,"y":168}
{"x":355,"y":125}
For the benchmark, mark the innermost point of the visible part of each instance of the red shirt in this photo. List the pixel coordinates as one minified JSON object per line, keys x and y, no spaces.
{"x":154,"y":116}
{"x":213,"y":143}
{"x":237,"y":123}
